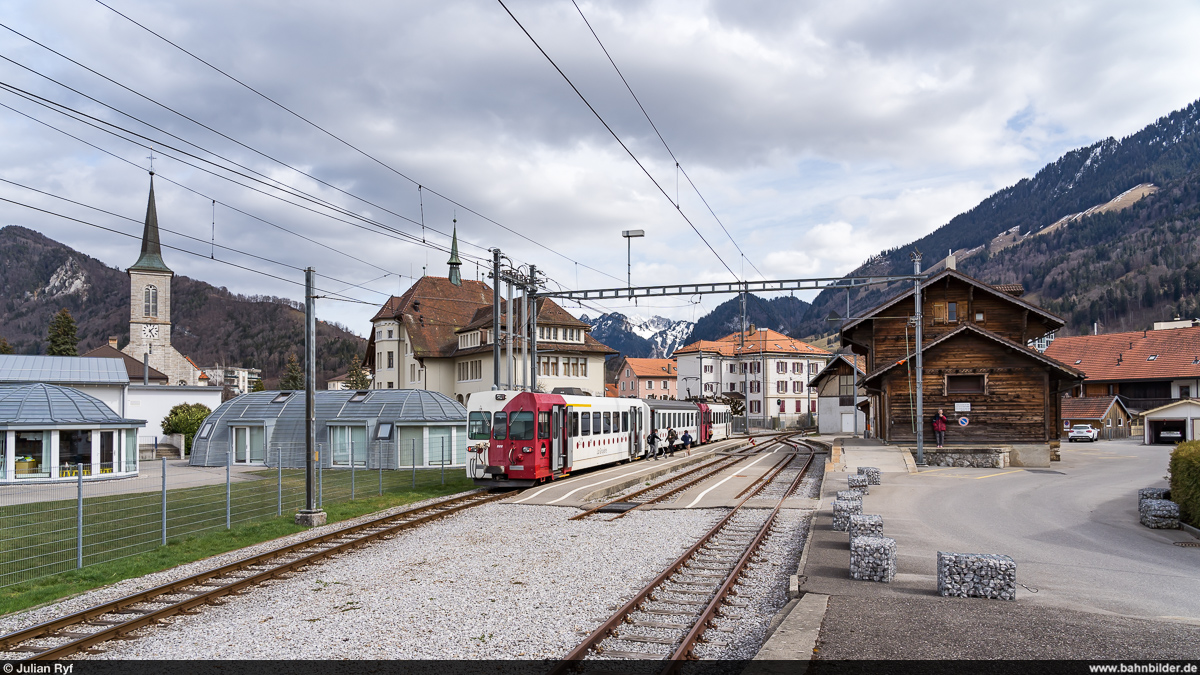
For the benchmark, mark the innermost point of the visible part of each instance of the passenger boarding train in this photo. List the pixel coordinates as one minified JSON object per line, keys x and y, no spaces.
{"x":518,"y":439}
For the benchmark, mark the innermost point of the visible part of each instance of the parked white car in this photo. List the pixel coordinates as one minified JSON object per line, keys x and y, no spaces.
{"x":1083,"y":432}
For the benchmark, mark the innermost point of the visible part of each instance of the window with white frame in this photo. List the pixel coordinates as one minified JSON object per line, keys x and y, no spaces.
{"x":755,"y":406}
{"x":781,"y":367}
{"x":649,"y":384}
{"x":781,"y":387}
{"x":812,"y":368}
{"x":708,"y":369}
{"x":733,"y":368}
{"x":150,"y":301}
{"x":797,"y":387}
{"x":664,"y":385}
{"x":548,"y":366}
{"x":470,"y":370}
{"x":797,"y":367}
{"x":755,"y":387}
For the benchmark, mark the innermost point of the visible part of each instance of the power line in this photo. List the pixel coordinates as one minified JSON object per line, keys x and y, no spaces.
{"x":266,"y":180}
{"x":108,"y":127}
{"x":617,"y":138}
{"x":351,"y":145}
{"x":660,"y":136}
{"x":340,"y":297}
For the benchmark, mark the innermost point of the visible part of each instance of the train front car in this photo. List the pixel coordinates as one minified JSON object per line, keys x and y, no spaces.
{"x":525,"y":439}
{"x":719,"y":423}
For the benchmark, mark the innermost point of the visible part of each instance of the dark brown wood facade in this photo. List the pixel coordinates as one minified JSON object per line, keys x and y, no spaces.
{"x":975,"y":353}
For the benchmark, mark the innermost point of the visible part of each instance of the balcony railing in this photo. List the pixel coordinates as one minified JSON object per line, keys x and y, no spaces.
{"x":1143,"y":404}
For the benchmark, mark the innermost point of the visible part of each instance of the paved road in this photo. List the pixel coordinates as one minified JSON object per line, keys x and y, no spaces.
{"x":1103,"y":580}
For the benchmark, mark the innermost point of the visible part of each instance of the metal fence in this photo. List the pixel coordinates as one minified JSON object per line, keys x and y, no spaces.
{"x":46,"y":528}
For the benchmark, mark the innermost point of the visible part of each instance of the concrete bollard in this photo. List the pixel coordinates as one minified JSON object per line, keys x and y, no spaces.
{"x":874,"y":477}
{"x":873,"y":559}
{"x":858,"y":483}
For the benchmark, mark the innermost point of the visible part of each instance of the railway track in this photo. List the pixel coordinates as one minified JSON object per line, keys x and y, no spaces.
{"x":679,"y":606}
{"x":119,"y":619}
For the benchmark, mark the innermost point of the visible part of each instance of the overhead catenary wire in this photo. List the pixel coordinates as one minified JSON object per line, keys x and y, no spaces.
{"x":678,"y":167}
{"x":617,"y":137}
{"x":334,"y":296}
{"x":201,"y":194}
{"x":351,"y":146}
{"x":68,"y":112}
{"x":267,"y":180}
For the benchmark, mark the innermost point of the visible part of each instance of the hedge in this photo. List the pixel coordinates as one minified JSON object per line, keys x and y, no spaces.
{"x":1185,"y":481}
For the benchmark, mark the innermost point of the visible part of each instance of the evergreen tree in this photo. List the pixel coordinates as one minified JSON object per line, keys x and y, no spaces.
{"x":258,"y":385}
{"x":5,"y":348}
{"x":356,"y":377}
{"x":293,"y":376}
{"x":62,"y":337}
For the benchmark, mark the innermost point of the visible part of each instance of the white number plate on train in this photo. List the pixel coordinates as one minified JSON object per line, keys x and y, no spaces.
{"x":515,"y":467}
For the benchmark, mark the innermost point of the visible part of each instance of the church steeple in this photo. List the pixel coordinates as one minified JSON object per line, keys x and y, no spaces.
{"x":151,"y":258}
{"x":454,"y":262}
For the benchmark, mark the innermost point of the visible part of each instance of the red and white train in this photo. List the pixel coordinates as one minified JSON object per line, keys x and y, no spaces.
{"x":518,"y":439}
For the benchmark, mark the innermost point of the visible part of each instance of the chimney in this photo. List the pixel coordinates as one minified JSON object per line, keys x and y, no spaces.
{"x":112,"y":341}
{"x":951,"y":261}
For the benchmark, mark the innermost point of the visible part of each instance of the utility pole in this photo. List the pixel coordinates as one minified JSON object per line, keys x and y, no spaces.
{"x":853,"y":373}
{"x":745,"y":369}
{"x":916,"y":258}
{"x":535,"y":363}
{"x":310,"y":516}
{"x":523,"y":341}
{"x":495,"y":318}
{"x":508,"y":336}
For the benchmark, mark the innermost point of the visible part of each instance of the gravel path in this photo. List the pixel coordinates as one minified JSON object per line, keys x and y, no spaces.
{"x":496,"y":581}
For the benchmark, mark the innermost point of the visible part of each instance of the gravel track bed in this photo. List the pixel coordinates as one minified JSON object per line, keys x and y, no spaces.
{"x":764,"y":587}
{"x":663,"y":478}
{"x":497,"y":581}
{"x":120,"y":589}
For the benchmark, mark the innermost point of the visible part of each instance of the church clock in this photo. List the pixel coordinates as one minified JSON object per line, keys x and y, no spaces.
{"x":149,"y":331}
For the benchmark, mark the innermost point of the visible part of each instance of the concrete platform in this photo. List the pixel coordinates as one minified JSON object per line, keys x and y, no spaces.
{"x":579,"y":489}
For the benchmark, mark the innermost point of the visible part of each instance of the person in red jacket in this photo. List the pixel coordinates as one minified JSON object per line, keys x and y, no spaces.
{"x":939,"y":427}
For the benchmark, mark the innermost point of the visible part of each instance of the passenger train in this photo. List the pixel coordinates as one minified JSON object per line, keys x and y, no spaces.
{"x":519,"y":439}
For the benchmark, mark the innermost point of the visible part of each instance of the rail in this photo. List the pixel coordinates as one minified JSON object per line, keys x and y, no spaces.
{"x":212,"y":585}
{"x":704,"y":620}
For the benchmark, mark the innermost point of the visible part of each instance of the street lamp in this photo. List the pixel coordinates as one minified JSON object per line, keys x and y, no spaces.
{"x":629,"y":235}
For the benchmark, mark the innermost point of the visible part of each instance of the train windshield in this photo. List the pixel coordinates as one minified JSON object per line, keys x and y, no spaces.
{"x":521,"y":427}
{"x":500,"y":427}
{"x":479,"y":426}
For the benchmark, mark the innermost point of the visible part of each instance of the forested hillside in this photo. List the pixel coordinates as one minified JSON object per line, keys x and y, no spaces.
{"x":39,"y":276}
{"x":1123,"y":269}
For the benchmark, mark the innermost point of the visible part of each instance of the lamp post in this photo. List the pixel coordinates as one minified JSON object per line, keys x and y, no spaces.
{"x":629,"y":235}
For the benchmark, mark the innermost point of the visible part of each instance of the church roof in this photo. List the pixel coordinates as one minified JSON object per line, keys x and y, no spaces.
{"x":151,"y":258}
{"x":132,"y":365}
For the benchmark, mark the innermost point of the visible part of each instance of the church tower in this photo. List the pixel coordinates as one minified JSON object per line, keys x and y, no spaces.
{"x":150,"y":307}
{"x":454,"y":262}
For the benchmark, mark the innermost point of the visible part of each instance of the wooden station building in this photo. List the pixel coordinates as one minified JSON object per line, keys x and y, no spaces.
{"x":977,"y":365}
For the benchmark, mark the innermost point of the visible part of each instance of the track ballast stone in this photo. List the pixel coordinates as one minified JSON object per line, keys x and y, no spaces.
{"x":453,"y":589}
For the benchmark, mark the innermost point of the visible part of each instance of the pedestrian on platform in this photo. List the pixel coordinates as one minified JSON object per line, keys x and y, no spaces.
{"x":939,"y":427}
{"x":671,"y":438}
{"x":652,"y":444}
{"x":686,"y":439}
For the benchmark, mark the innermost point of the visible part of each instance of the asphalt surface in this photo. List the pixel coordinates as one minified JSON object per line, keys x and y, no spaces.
{"x":1107,"y":587}
{"x":954,"y":628}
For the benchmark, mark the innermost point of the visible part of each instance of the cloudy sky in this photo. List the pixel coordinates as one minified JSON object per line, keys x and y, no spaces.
{"x":819,"y":133}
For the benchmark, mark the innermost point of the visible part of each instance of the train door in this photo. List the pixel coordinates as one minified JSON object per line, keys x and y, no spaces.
{"x":635,"y":434}
{"x":558,"y":447}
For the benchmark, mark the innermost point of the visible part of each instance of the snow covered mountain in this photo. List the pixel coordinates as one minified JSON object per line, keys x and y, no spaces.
{"x":640,"y":337}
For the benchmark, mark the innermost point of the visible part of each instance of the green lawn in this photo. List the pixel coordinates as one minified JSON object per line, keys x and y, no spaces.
{"x":122,"y":534}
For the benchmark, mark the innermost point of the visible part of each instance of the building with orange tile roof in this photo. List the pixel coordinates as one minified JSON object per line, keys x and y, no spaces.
{"x":647,"y":378}
{"x":775,"y":368}
{"x":1147,"y":369}
{"x":1105,"y":413}
{"x":438,"y":336}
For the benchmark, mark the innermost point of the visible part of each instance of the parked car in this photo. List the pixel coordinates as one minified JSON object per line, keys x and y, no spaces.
{"x":1083,"y":432}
